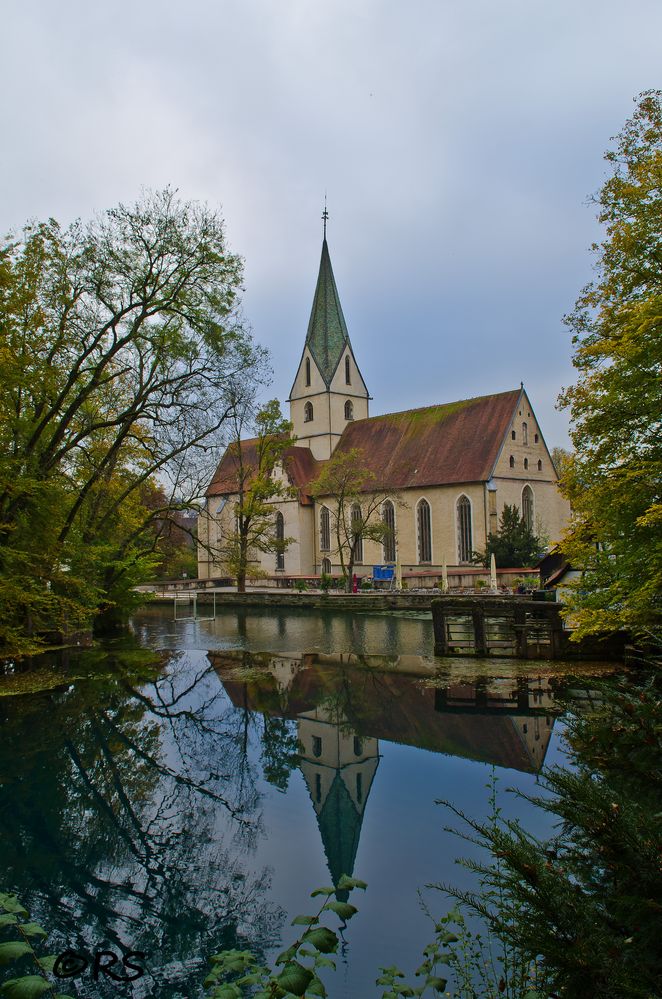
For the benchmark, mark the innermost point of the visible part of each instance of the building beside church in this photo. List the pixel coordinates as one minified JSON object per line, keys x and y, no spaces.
{"x":447,"y":470}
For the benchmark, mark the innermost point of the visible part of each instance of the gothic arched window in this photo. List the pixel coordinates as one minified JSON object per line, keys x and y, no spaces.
{"x":526,"y":462}
{"x":308,"y":412}
{"x":539,"y":465}
{"x":388,"y":516}
{"x":307,"y":371}
{"x":464,"y":536}
{"x":325,"y":529}
{"x":527,"y":507}
{"x":326,"y":566}
{"x":424,"y":527}
{"x":348,"y":373}
{"x":512,"y":461}
{"x":525,"y":434}
{"x":357,"y":518}
{"x":280,"y":536}
{"x":349,"y":410}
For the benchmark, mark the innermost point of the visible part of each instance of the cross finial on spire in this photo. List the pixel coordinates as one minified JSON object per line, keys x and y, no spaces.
{"x":325,"y":216}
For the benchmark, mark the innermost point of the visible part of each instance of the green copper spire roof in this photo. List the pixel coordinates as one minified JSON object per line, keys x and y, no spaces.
{"x":340,"y":826}
{"x":327,"y":331}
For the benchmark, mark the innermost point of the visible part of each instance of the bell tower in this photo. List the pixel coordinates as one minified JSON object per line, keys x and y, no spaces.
{"x":328,"y":390}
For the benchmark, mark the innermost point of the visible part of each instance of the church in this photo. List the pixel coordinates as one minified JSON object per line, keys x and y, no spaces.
{"x":446,"y":471}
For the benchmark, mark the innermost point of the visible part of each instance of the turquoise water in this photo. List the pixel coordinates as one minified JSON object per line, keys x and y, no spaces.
{"x":186,"y":790}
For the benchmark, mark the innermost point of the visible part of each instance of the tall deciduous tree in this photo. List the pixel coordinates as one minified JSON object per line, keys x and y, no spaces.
{"x":118,"y":341}
{"x":355,"y":501}
{"x":256,"y":468}
{"x":613,"y":479}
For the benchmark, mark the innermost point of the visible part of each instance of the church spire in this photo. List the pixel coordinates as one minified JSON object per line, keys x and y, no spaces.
{"x":327,"y":334}
{"x":328,"y":390}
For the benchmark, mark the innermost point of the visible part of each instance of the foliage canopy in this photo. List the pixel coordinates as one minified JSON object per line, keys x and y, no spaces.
{"x":118,"y":341}
{"x":613,"y":478}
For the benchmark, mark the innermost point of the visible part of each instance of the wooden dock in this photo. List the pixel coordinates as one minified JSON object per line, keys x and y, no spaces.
{"x":512,"y":627}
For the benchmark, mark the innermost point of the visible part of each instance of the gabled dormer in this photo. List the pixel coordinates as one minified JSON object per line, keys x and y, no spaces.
{"x":328,"y":390}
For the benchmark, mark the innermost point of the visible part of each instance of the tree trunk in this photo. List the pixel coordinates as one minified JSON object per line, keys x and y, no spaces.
{"x":350,"y":576}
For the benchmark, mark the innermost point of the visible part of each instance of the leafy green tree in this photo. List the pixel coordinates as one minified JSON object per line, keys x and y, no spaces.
{"x":586,"y":902}
{"x":256,"y":467}
{"x":514,"y":546}
{"x":613,"y":479}
{"x":355,"y":500}
{"x":560,"y":457}
{"x":118,"y":342}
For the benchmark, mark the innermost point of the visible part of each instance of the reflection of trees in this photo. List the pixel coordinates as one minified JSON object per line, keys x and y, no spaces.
{"x":124,"y":802}
{"x":280,"y":750}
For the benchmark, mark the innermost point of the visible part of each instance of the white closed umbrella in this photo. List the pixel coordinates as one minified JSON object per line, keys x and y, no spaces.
{"x":493,"y":575}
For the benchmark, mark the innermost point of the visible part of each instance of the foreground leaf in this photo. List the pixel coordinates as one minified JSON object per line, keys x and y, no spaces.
{"x":295,"y":978}
{"x":28,"y":987}
{"x":12,"y":950}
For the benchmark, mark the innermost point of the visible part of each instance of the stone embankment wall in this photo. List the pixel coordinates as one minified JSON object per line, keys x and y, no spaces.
{"x":318,"y":601}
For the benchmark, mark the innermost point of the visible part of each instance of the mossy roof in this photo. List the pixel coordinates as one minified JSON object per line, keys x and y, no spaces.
{"x":454,"y":442}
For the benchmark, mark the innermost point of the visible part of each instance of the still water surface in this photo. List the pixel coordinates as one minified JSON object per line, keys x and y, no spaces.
{"x":186,"y":791}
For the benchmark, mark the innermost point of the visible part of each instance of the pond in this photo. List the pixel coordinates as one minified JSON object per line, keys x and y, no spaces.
{"x":186,"y":790}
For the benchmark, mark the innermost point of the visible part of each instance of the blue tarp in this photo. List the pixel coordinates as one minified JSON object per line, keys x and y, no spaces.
{"x":383,"y":572}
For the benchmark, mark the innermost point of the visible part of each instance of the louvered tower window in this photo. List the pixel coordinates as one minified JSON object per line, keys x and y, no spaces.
{"x":424,"y":525}
{"x":349,"y":410}
{"x":464,"y":538}
{"x":388,"y":516}
{"x":308,"y":412}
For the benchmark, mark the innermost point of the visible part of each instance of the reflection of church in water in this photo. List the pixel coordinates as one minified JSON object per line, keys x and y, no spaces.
{"x":344,"y":704}
{"x":338,"y":765}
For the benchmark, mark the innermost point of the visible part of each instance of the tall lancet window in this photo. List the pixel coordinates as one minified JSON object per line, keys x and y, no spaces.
{"x":280,"y":536}
{"x":388,"y":516}
{"x":464,"y":536}
{"x":325,"y":529}
{"x":357,"y":519}
{"x":527,"y":507}
{"x":424,"y":526}
{"x":348,"y":371}
{"x":307,"y":371}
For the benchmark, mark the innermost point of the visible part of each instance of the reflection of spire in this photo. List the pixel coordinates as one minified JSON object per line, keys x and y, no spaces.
{"x":339,"y":768}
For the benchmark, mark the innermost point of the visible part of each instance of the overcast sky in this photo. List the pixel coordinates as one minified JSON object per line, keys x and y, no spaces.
{"x":457,"y":142}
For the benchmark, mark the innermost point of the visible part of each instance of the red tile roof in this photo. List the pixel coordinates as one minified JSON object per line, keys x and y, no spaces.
{"x":298,"y":462}
{"x":435,"y":445}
